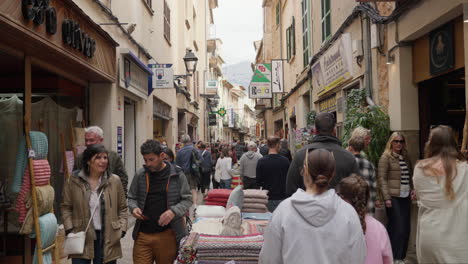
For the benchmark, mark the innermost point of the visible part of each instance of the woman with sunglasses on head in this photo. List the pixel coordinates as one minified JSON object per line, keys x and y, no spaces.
{"x":394,"y":180}
{"x":315,"y":225}
{"x":94,"y":201}
{"x":441,"y":183}
{"x":355,"y":190}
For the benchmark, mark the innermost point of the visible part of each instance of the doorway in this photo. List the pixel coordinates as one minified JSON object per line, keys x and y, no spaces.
{"x":442,"y":102}
{"x":129,"y":137}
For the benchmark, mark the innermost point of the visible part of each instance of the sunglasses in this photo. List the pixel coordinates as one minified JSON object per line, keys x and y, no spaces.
{"x":399,"y":141}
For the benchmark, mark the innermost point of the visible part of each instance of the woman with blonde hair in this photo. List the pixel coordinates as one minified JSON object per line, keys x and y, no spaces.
{"x":395,"y":183}
{"x":355,"y":190}
{"x":441,"y":184}
{"x":315,"y":225}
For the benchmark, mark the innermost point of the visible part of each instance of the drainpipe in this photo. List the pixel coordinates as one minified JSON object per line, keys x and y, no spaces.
{"x":368,"y":60}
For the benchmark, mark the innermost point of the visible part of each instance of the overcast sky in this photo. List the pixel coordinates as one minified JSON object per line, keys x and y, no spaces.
{"x":238,"y":23}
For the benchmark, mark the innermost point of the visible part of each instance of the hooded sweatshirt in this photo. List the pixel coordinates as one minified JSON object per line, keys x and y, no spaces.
{"x":308,"y":228}
{"x":248,"y":164}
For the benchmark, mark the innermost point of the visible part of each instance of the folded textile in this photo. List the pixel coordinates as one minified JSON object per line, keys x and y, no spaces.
{"x":217,"y":200}
{"x":236,"y":181}
{"x":256,"y":201}
{"x":213,"y":226}
{"x":253,"y":193}
{"x":41,"y":176}
{"x":249,"y":210}
{"x":254,"y":206}
{"x":45,"y":200}
{"x":206,"y":261}
{"x":216,"y":203}
{"x":252,"y":242}
{"x":257,"y":216}
{"x":210,"y":211}
{"x":219,"y":193}
{"x":232,"y":222}
{"x":70,"y":158}
{"x":48,"y":226}
{"x":187,"y":252}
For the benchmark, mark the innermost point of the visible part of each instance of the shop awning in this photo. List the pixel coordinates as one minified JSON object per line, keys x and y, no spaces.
{"x":134,"y":58}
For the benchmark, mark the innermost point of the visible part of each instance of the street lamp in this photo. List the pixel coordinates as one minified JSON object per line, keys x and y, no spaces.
{"x":190,"y":61}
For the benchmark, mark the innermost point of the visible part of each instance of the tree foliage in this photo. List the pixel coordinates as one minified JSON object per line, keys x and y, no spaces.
{"x":359,"y":113}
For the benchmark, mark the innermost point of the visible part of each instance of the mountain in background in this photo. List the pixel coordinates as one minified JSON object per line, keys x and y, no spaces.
{"x":239,"y":73}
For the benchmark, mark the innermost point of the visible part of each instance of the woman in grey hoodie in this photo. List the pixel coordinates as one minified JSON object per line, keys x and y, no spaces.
{"x":316,"y":225}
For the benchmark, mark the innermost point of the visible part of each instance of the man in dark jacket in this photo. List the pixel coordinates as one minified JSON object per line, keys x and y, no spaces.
{"x":205,"y":167}
{"x":345,"y":161}
{"x":159,"y":197}
{"x":271,"y":173}
{"x":187,"y":158}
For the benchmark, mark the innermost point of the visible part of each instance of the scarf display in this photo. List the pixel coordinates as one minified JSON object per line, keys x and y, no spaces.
{"x":48,"y":226}
{"x":41,"y":176}
{"x":45,"y":200}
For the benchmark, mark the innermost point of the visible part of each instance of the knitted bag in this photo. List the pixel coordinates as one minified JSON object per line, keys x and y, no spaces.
{"x":40,"y":145}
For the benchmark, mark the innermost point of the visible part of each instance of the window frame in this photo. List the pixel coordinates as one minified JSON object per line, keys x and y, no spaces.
{"x":326,"y":20}
{"x":278,"y":13}
{"x":305,"y":32}
{"x":167,"y":22}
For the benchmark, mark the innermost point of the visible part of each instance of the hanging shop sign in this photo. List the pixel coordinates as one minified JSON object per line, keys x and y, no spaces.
{"x":212,"y":120}
{"x":211,"y":86}
{"x":260,"y":86}
{"x":163,"y":76}
{"x":133,"y":74}
{"x":328,"y":104}
{"x":334,"y":67}
{"x":441,"y":49}
{"x":161,"y":109}
{"x":277,"y":76}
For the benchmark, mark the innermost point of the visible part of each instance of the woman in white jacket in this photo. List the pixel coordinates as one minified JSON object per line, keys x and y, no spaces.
{"x":316,"y":225}
{"x":223,"y":167}
{"x":441,"y":184}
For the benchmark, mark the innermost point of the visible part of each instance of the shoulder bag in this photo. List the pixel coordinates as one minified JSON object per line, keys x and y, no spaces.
{"x":75,"y":242}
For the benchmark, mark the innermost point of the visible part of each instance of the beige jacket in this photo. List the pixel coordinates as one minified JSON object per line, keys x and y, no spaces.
{"x":76,"y":213}
{"x":389,"y":175}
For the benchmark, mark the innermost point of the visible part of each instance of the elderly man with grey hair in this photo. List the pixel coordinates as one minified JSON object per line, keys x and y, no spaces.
{"x":186,"y":158}
{"x":248,"y":166}
{"x":95,"y":135}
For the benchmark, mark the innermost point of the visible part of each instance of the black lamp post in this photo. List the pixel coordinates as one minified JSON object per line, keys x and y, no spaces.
{"x":190,"y":61}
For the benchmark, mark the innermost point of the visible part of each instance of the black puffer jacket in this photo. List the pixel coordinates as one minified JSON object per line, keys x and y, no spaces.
{"x":345,"y":162}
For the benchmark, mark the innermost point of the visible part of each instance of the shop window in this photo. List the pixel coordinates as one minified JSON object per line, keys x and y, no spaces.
{"x":57,"y":107}
{"x":326,"y":20}
{"x":167,"y":22}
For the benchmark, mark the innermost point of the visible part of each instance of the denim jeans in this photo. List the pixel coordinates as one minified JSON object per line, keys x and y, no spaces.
{"x":98,"y":254}
{"x":225,"y":184}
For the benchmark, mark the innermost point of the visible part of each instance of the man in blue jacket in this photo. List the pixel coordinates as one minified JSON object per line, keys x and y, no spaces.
{"x":188,"y":158}
{"x":206,"y":166}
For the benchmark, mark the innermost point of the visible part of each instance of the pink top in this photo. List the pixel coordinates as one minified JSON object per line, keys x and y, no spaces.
{"x":379,"y":249}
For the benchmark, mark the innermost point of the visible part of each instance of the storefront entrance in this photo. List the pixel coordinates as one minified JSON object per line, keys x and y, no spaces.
{"x":442,"y":102}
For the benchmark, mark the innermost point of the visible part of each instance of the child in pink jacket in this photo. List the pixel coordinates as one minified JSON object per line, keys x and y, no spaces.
{"x":355,"y":190}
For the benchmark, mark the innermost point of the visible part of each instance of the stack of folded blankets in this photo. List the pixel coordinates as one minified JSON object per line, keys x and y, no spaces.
{"x":255,"y":201}
{"x":218,"y":197}
{"x":210,"y":249}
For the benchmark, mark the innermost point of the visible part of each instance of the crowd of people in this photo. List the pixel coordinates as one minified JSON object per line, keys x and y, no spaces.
{"x":323,"y":199}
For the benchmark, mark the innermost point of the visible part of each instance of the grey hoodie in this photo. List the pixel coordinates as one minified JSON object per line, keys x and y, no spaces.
{"x":309,"y":228}
{"x":248,"y":164}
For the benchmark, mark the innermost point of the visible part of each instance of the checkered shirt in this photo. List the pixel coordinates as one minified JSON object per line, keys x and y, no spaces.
{"x":367,"y":171}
